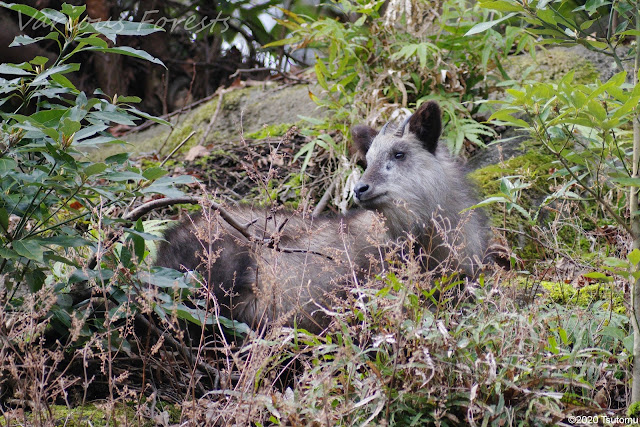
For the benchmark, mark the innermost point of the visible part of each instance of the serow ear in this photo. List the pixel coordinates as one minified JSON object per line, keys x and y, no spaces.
{"x":362,"y":138}
{"x":426,"y":124}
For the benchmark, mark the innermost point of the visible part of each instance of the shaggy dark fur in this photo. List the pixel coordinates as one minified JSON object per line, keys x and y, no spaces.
{"x":410,"y":180}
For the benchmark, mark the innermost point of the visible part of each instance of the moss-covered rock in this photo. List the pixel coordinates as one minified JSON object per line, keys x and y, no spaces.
{"x":252,"y":111}
{"x":533,"y":166}
{"x":552,"y":65}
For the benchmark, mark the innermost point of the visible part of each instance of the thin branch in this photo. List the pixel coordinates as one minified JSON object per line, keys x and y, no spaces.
{"x":324,"y":201}
{"x":205,"y":367}
{"x":184,"y":141}
{"x":213,"y":118}
{"x":269,"y":241}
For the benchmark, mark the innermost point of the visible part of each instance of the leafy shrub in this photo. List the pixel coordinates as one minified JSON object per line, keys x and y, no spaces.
{"x":61,"y":213}
{"x":381,"y":63}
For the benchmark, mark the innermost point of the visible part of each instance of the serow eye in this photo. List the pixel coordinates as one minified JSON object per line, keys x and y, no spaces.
{"x":399,"y":155}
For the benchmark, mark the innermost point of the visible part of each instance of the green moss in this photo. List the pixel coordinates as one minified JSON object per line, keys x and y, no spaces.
{"x":551,"y":65}
{"x":91,"y":414}
{"x":533,"y":167}
{"x":269,"y":131}
{"x":634,"y":410}
{"x":565,"y":293}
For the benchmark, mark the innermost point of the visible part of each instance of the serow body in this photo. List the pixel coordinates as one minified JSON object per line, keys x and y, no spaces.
{"x":411,"y":191}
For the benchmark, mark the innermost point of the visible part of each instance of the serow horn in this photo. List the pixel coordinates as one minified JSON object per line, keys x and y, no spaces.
{"x":400,"y":130}
{"x":384,"y":128}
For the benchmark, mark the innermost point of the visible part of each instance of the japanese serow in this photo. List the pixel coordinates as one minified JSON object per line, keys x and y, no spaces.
{"x":411,"y":189}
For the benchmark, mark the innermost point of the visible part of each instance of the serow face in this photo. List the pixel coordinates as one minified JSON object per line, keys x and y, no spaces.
{"x":397,"y":158}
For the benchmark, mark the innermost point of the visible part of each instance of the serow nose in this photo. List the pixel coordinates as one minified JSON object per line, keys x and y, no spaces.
{"x":360,"y":190}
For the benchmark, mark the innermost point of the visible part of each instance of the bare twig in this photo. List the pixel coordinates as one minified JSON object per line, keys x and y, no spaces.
{"x":279,"y":72}
{"x":213,"y":118}
{"x":322,"y":204}
{"x":184,"y":141}
{"x":205,"y":367}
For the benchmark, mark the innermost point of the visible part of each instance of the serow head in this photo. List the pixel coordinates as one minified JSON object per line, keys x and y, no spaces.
{"x":397,"y":158}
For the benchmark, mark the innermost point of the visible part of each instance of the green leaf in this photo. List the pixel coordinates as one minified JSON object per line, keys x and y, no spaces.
{"x":123,"y":99}
{"x":63,"y":81}
{"x":289,"y":41}
{"x":7,"y":165}
{"x":73,"y":11}
{"x":154,"y":173}
{"x":111,"y":29}
{"x":484,"y":26}
{"x":7,"y":253}
{"x":129,"y":51}
{"x":613,"y":332}
{"x":4,"y":219}
{"x":166,"y":185}
{"x":13,"y":70}
{"x":149,"y":116}
{"x":69,"y":127}
{"x":58,"y":69}
{"x":65,"y":241}
{"x":598,"y":276}
{"x":630,"y":33}
{"x":95,"y":169}
{"x":627,"y":181}
{"x":502,"y":6}
{"x":616,"y":262}
{"x":165,"y":278}
{"x":113,"y":116}
{"x":598,"y":111}
{"x":39,"y":60}
{"x":93,"y":41}
{"x":490,"y":200}
{"x":142,"y":234}
{"x":46,"y":16}
{"x":634,"y":256}
{"x":119,"y":158}
{"x":30,"y":249}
